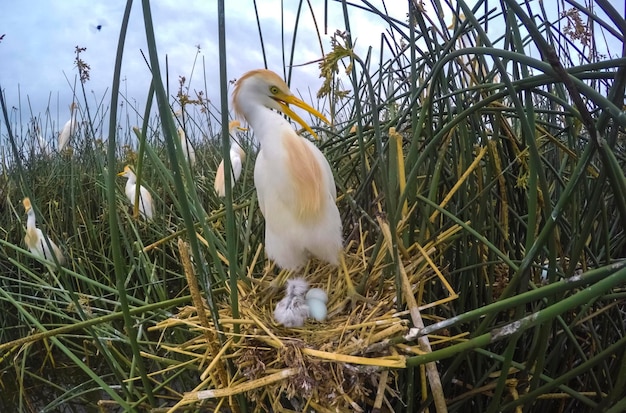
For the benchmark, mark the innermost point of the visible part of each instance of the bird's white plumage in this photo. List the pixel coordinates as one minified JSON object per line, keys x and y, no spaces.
{"x":68,"y":129}
{"x":237,"y":157}
{"x":43,"y":145}
{"x":292,"y":310}
{"x":294,"y":182}
{"x":145,"y":198}
{"x":188,"y":150}
{"x":36,"y":241}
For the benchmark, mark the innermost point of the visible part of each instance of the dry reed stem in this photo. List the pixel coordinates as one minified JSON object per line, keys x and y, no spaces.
{"x":330,"y":364}
{"x":196,"y":298}
{"x":240,"y":388}
{"x":386,"y":362}
{"x":380,"y":392}
{"x":431,"y":368}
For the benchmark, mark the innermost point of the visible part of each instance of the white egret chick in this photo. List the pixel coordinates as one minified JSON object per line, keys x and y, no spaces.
{"x":145,"y":199}
{"x":36,"y":241}
{"x":294,"y":182}
{"x":68,"y":130}
{"x":188,"y":150}
{"x":292,"y":310}
{"x":237,"y":157}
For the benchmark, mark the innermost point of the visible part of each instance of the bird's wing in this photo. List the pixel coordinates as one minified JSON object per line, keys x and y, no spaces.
{"x":64,"y":136}
{"x":306,"y":174}
{"x":326,"y":169}
{"x":146,"y":201}
{"x":32,"y":237}
{"x":237,"y":166}
{"x":220,"y":186}
{"x":56,"y":250}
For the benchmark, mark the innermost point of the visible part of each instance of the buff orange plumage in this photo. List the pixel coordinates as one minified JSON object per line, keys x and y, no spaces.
{"x":293,"y":179}
{"x":38,"y":244}
{"x":237,"y":157}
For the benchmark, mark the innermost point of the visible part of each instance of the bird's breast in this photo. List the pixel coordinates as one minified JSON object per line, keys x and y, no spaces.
{"x":291,"y":174}
{"x":31,"y":238}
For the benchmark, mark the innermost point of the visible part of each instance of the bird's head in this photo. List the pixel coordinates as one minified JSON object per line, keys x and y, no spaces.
{"x":126,"y":172}
{"x":235,"y":126}
{"x":27,"y":204}
{"x":266,"y":88}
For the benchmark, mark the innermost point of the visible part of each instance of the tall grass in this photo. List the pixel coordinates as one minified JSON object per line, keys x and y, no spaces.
{"x":509,"y":124}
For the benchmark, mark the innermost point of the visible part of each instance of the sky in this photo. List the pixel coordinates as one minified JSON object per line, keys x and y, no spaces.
{"x":37,"y":51}
{"x":38,"y":70}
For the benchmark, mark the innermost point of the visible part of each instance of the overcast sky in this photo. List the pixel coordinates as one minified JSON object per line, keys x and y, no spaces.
{"x":38,"y":49}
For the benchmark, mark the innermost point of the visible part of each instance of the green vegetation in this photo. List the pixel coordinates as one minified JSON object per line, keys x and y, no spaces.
{"x":481,"y":185}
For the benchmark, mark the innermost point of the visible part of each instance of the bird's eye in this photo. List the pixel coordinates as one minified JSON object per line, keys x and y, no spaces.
{"x":274,"y":90}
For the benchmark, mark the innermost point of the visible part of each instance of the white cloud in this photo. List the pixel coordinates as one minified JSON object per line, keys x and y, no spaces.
{"x":40,"y":46}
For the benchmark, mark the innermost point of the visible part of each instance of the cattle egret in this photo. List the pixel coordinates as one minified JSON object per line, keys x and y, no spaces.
{"x":188,"y":150}
{"x":36,"y":241}
{"x":237,"y":156}
{"x":43,"y":145}
{"x":68,"y":129}
{"x":145,"y":199}
{"x":294,"y":182}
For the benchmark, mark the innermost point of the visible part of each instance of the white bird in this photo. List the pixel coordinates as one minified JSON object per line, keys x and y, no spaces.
{"x":292,"y":310}
{"x":237,"y":157}
{"x":68,"y":129}
{"x":43,"y":145}
{"x":188,"y":150}
{"x":145,"y":206}
{"x":36,"y":241}
{"x":294,"y":182}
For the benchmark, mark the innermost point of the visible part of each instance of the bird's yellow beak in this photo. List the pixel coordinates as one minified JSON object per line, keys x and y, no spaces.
{"x":235,"y":124}
{"x":284,"y":100}
{"x":126,"y":168}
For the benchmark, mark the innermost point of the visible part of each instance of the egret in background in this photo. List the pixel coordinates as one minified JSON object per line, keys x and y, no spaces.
{"x":145,"y":199}
{"x":68,"y":129}
{"x":237,"y":156}
{"x":190,"y":153}
{"x":36,"y":241}
{"x":43,"y":145}
{"x":294,"y":182}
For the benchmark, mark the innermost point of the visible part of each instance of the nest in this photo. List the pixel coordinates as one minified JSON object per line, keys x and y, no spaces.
{"x":349,"y":362}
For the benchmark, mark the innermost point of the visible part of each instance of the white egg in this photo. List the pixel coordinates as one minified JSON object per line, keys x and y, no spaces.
{"x":317,"y":309}
{"x":317,"y":294}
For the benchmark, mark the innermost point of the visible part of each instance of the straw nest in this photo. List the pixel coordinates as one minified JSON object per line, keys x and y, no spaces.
{"x":349,"y":362}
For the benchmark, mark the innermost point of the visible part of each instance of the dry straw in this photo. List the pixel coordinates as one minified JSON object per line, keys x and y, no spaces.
{"x":350,"y":362}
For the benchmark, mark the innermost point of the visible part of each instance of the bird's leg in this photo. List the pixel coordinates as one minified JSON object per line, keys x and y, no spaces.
{"x":274,"y":286}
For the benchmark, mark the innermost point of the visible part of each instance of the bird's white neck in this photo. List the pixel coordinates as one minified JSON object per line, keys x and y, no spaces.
{"x":30,"y":221}
{"x":263,"y":118}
